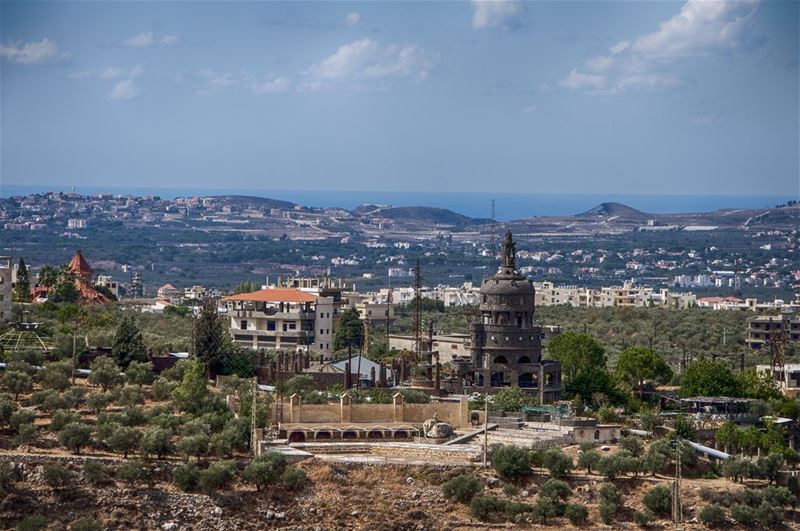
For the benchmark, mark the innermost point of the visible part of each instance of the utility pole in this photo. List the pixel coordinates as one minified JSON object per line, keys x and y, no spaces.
{"x":677,"y":503}
{"x":254,"y":442}
{"x":485,"y":428}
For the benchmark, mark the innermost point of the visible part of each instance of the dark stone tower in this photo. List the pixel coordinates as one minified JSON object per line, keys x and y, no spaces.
{"x":506,"y":347}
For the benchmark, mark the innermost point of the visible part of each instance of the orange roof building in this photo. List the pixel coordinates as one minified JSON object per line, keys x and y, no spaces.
{"x":280,"y":318}
{"x":82,"y":272}
{"x":274,"y":295}
{"x":79,"y":267}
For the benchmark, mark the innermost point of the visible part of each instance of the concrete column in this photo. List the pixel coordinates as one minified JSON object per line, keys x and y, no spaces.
{"x":294,"y":408}
{"x":541,"y":384}
{"x":399,"y":407}
{"x":344,"y":413}
{"x":348,"y":378}
{"x":372,"y":377}
{"x":463,"y":411}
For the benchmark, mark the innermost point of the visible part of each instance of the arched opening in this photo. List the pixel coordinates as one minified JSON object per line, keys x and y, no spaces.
{"x":375,"y":434}
{"x":349,"y":434}
{"x":297,"y":436}
{"x":526,"y":379}
{"x":596,"y":435}
{"x":323,"y":435}
{"x":497,"y":379}
{"x":524,"y":359}
{"x":501,"y":359}
{"x":474,"y":418}
{"x":401,"y":434}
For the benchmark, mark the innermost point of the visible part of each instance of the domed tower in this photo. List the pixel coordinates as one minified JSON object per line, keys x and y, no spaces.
{"x":506,"y":347}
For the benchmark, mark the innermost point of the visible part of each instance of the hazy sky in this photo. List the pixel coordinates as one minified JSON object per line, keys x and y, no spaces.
{"x":640,"y":97}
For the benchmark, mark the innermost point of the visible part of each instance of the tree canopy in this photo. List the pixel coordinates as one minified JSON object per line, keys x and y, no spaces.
{"x":576,"y":352}
{"x":349,"y":330}
{"x":128,"y":344}
{"x":709,"y":378}
{"x":637,"y":365}
{"x":211,"y":339}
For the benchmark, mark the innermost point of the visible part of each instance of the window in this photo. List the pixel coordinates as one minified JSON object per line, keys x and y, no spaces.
{"x":292,"y":325}
{"x":271,"y":325}
{"x":320,"y":346}
{"x":243,"y":324}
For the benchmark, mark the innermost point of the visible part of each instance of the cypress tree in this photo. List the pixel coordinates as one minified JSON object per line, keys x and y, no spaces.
{"x":22,"y":290}
{"x":211,"y":340}
{"x":128,"y":343}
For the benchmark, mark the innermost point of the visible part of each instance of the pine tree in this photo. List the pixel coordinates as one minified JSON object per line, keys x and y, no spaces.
{"x":211,"y":340}
{"x":22,"y":290}
{"x":128,"y":343}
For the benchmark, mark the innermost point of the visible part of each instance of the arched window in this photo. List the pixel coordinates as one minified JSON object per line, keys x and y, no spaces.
{"x":596,"y":435}
{"x":524,"y":359}
{"x":497,"y":379}
{"x":501,"y":359}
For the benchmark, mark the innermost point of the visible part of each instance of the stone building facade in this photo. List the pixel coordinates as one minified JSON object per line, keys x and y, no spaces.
{"x":506,"y":345}
{"x":6,"y":289}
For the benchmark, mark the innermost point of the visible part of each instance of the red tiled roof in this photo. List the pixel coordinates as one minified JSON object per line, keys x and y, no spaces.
{"x":79,"y":266}
{"x":166,"y":287}
{"x":274,"y":295}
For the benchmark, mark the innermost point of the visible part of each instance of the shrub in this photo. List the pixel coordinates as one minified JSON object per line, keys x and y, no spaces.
{"x":778,"y":496}
{"x":632,"y":444}
{"x":56,"y":475}
{"x":139,"y":373}
{"x":751,"y":497}
{"x":265,"y":470}
{"x":511,"y":462}
{"x":659,"y":500}
{"x":712,"y":515}
{"x":482,"y":507}
{"x":589,"y":458}
{"x":576,"y":513}
{"x":25,"y":434}
{"x":94,"y":472}
{"x":509,"y":489}
{"x":557,"y":462}
{"x":130,"y":396}
{"x":35,"y":522}
{"x":135,"y":472}
{"x":75,"y":435}
{"x":608,"y":511}
{"x":162,"y":388}
{"x":462,"y":488}
{"x":99,"y":401}
{"x":156,"y":441}
{"x":105,"y":373}
{"x":743,"y":514}
{"x":294,"y":479}
{"x":21,"y":417}
{"x":512,"y":509}
{"x":124,"y":440}
{"x":222,"y":444}
{"x":555,"y":490}
{"x":61,"y":418}
{"x":193,"y":445}
{"x":186,"y":477}
{"x":610,"y":493}
{"x":643,"y":518}
{"x":87,"y":524}
{"x":545,"y":508}
{"x":767,"y":515}
{"x":769,"y":465}
{"x":217,"y":476}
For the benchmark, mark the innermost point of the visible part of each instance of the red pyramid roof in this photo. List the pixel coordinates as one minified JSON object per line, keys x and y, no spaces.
{"x":79,"y":266}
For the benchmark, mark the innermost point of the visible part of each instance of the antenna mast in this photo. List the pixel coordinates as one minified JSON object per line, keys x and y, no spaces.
{"x":417,"y":309}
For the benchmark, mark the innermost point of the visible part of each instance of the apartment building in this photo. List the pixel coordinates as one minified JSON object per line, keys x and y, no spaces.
{"x":6,"y":289}
{"x":276,"y":318}
{"x":625,"y":296}
{"x":786,"y":378}
{"x":761,"y":329}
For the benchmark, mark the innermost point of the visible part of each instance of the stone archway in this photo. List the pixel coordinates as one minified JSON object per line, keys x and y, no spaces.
{"x":297,"y":436}
{"x":500,"y":360}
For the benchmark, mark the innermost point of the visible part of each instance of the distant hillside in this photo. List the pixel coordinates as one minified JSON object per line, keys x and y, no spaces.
{"x":255,"y":201}
{"x":421,"y":214}
{"x":619,"y":210}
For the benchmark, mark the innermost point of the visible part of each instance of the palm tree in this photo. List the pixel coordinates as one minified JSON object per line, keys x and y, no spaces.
{"x":48,"y":276}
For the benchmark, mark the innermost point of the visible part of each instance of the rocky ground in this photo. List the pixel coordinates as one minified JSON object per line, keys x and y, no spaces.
{"x":341,"y":496}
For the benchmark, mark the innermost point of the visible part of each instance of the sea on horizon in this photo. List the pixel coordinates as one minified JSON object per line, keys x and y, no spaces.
{"x":473,"y":204}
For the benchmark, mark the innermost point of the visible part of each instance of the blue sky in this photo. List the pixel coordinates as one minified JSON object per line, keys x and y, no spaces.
{"x":640,"y":97}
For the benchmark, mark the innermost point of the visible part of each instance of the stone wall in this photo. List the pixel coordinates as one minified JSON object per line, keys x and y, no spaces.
{"x":454,"y":413}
